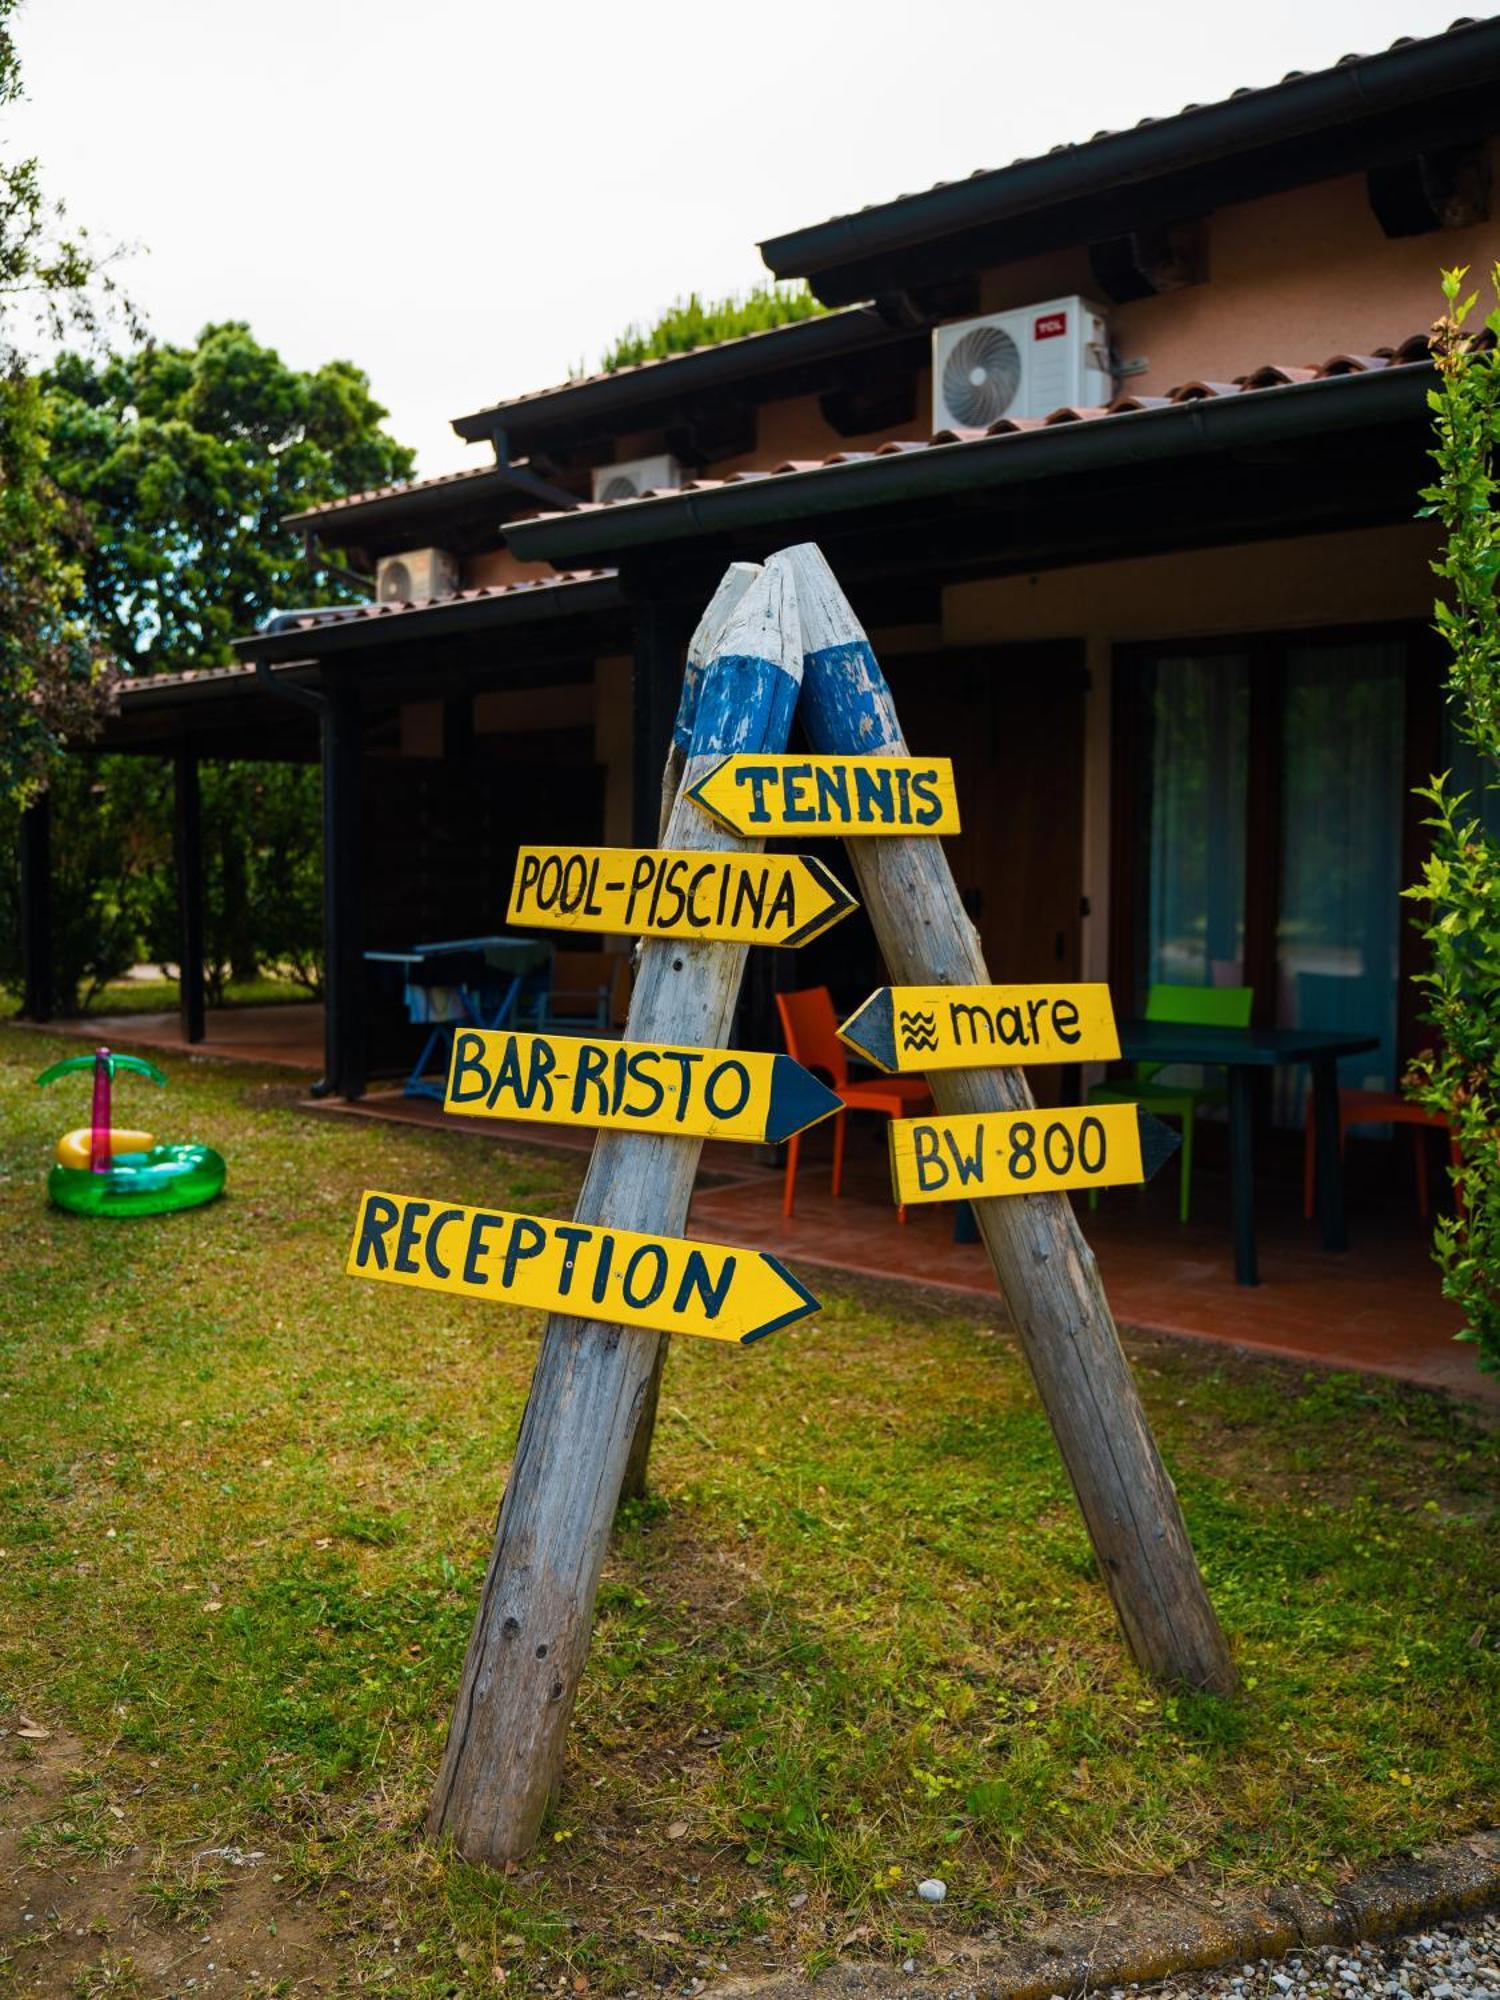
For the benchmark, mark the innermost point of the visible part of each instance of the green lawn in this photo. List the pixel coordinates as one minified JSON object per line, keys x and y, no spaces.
{"x":854,"y":1639}
{"x":159,"y":996}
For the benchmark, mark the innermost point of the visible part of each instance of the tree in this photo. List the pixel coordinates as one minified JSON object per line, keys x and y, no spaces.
{"x":185,"y":460}
{"x":695,"y":322}
{"x":53,"y":678}
{"x":1460,"y":885}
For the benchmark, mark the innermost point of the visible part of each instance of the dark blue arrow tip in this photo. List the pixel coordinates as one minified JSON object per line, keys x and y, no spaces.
{"x":871,"y":1030}
{"x":1159,"y":1142}
{"x":797,"y":1100}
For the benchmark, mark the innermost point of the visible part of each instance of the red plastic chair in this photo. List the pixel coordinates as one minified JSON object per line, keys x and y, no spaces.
{"x":1373,"y":1107}
{"x":811,"y":1028}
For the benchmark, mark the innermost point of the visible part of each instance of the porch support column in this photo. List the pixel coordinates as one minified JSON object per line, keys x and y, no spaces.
{"x":343,"y":895}
{"x":663,"y":628}
{"x":188,"y":828}
{"x":40,"y":983}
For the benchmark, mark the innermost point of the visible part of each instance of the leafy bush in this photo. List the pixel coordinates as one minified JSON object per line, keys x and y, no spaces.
{"x":695,"y":322}
{"x":1460,"y":885}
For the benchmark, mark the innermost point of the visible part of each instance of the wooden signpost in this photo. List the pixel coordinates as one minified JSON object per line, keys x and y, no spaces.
{"x":634,"y":1086}
{"x":624,"y":1277}
{"x":1026,"y":1152}
{"x":971,"y":1027}
{"x":778,"y":796}
{"x":776,"y":899}
{"x":620,"y":1276}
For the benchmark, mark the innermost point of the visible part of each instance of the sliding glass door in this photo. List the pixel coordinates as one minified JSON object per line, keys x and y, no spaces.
{"x":1265,"y":793}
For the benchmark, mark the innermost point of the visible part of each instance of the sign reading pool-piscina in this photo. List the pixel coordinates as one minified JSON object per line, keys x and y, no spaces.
{"x":774,"y":899}
{"x":634,"y":1086}
{"x":660,"y":1282}
{"x":866,"y":796}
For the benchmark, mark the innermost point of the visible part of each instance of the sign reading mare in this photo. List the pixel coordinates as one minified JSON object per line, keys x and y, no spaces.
{"x":617,"y":1275}
{"x":975,"y":1027}
{"x":775,"y":899}
{"x":864,"y":796}
{"x":634,"y":1086}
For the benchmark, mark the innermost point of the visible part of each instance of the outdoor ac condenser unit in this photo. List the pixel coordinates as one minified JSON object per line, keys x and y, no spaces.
{"x":1023,"y":363}
{"x":634,"y":476}
{"x":413,"y":575}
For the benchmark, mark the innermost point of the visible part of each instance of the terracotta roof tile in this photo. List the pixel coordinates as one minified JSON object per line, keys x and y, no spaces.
{"x":1265,"y":380}
{"x":401,"y":487}
{"x":350,"y":614}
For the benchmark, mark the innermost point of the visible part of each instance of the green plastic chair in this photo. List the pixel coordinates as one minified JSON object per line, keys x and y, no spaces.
{"x":1195,"y":1006}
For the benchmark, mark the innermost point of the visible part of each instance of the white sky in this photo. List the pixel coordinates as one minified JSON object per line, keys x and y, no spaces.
{"x":468,"y":197}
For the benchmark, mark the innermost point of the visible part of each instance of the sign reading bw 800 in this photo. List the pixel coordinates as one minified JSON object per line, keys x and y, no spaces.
{"x":778,"y":899}
{"x":1017,"y":1152}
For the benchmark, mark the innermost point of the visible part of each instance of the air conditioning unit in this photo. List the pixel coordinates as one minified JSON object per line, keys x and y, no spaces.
{"x":635,"y":476}
{"x":1024,"y":363}
{"x":415,"y":574}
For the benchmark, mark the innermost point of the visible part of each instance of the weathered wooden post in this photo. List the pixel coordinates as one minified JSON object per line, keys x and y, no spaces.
{"x":506,"y":1740}
{"x":702,"y":647}
{"x":1046,"y":1270}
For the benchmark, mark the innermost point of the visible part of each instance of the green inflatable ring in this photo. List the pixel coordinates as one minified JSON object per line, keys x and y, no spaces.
{"x":151,"y":1183}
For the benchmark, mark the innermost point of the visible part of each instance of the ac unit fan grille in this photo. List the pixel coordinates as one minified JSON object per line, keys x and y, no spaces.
{"x":619,"y":488}
{"x":981,"y":375}
{"x":395,"y":583}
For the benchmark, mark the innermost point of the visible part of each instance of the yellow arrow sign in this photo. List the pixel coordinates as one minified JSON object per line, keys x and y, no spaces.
{"x":975,"y":1027}
{"x":860,"y":796}
{"x":615,"y":1275}
{"x":634,"y":1086}
{"x":778,"y":899}
{"x":1025,"y":1152}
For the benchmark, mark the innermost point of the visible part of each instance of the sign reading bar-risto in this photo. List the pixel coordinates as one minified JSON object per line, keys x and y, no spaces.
{"x":973,"y":1027}
{"x":976,"y":1154}
{"x":776,"y":899}
{"x":860,"y":796}
{"x":616,"y":1275}
{"x":634,"y":1086}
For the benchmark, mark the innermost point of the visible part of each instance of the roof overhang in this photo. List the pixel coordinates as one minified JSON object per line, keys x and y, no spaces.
{"x":222,"y":713}
{"x":1366,"y":111}
{"x":1340,"y":448}
{"x":458,"y":510}
{"x":375,"y":627}
{"x":655,"y":392}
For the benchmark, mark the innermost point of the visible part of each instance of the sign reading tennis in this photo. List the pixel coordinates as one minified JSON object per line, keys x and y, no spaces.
{"x":1026,"y":1152}
{"x":862,"y":796}
{"x":776,"y":899}
{"x":634,"y":1086}
{"x":660,"y":1282}
{"x":971,"y":1027}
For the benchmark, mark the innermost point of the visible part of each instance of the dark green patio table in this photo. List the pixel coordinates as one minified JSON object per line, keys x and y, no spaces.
{"x":1241,"y":1052}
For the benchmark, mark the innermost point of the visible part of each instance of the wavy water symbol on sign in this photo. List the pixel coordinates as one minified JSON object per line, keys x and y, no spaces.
{"x":918,"y":1031}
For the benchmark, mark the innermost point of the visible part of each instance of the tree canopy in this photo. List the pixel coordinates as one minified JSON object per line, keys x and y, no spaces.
{"x":185,"y":460}
{"x":697,"y":322}
{"x":53,"y":678}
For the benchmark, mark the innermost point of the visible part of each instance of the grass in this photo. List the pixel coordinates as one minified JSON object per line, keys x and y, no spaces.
{"x":159,"y":996}
{"x":854,"y":1637}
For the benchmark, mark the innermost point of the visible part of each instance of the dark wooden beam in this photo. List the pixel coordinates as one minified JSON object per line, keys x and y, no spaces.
{"x":663,"y":627}
{"x":188,"y":815}
{"x":1447,"y":187}
{"x":1162,"y":257}
{"x":39,"y":991}
{"x":344,"y":1037}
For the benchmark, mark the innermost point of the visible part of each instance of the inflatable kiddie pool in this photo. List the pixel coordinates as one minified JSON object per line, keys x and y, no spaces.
{"x":104,"y":1169}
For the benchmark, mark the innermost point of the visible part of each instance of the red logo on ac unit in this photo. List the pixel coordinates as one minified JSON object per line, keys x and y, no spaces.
{"x":1049,"y":326}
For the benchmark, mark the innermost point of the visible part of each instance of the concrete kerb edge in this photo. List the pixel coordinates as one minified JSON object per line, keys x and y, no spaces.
{"x":1183,"y":1935}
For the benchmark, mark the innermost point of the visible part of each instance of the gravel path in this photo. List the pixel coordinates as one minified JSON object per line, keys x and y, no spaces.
{"x":1453,"y":1962}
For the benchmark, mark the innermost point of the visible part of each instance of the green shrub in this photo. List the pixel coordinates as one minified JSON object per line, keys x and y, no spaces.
{"x":1460,"y":885}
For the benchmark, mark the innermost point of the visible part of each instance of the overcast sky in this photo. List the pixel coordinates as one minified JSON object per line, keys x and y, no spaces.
{"x":470,"y":197}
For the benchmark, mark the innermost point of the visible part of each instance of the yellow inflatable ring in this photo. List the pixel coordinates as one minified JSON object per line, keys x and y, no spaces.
{"x":73,"y":1147}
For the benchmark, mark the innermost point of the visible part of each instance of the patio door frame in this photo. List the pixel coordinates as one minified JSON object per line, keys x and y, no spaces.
{"x":1267,"y":654}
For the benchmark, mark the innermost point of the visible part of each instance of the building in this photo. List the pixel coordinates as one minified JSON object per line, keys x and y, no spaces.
{"x":1171,"y":623}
